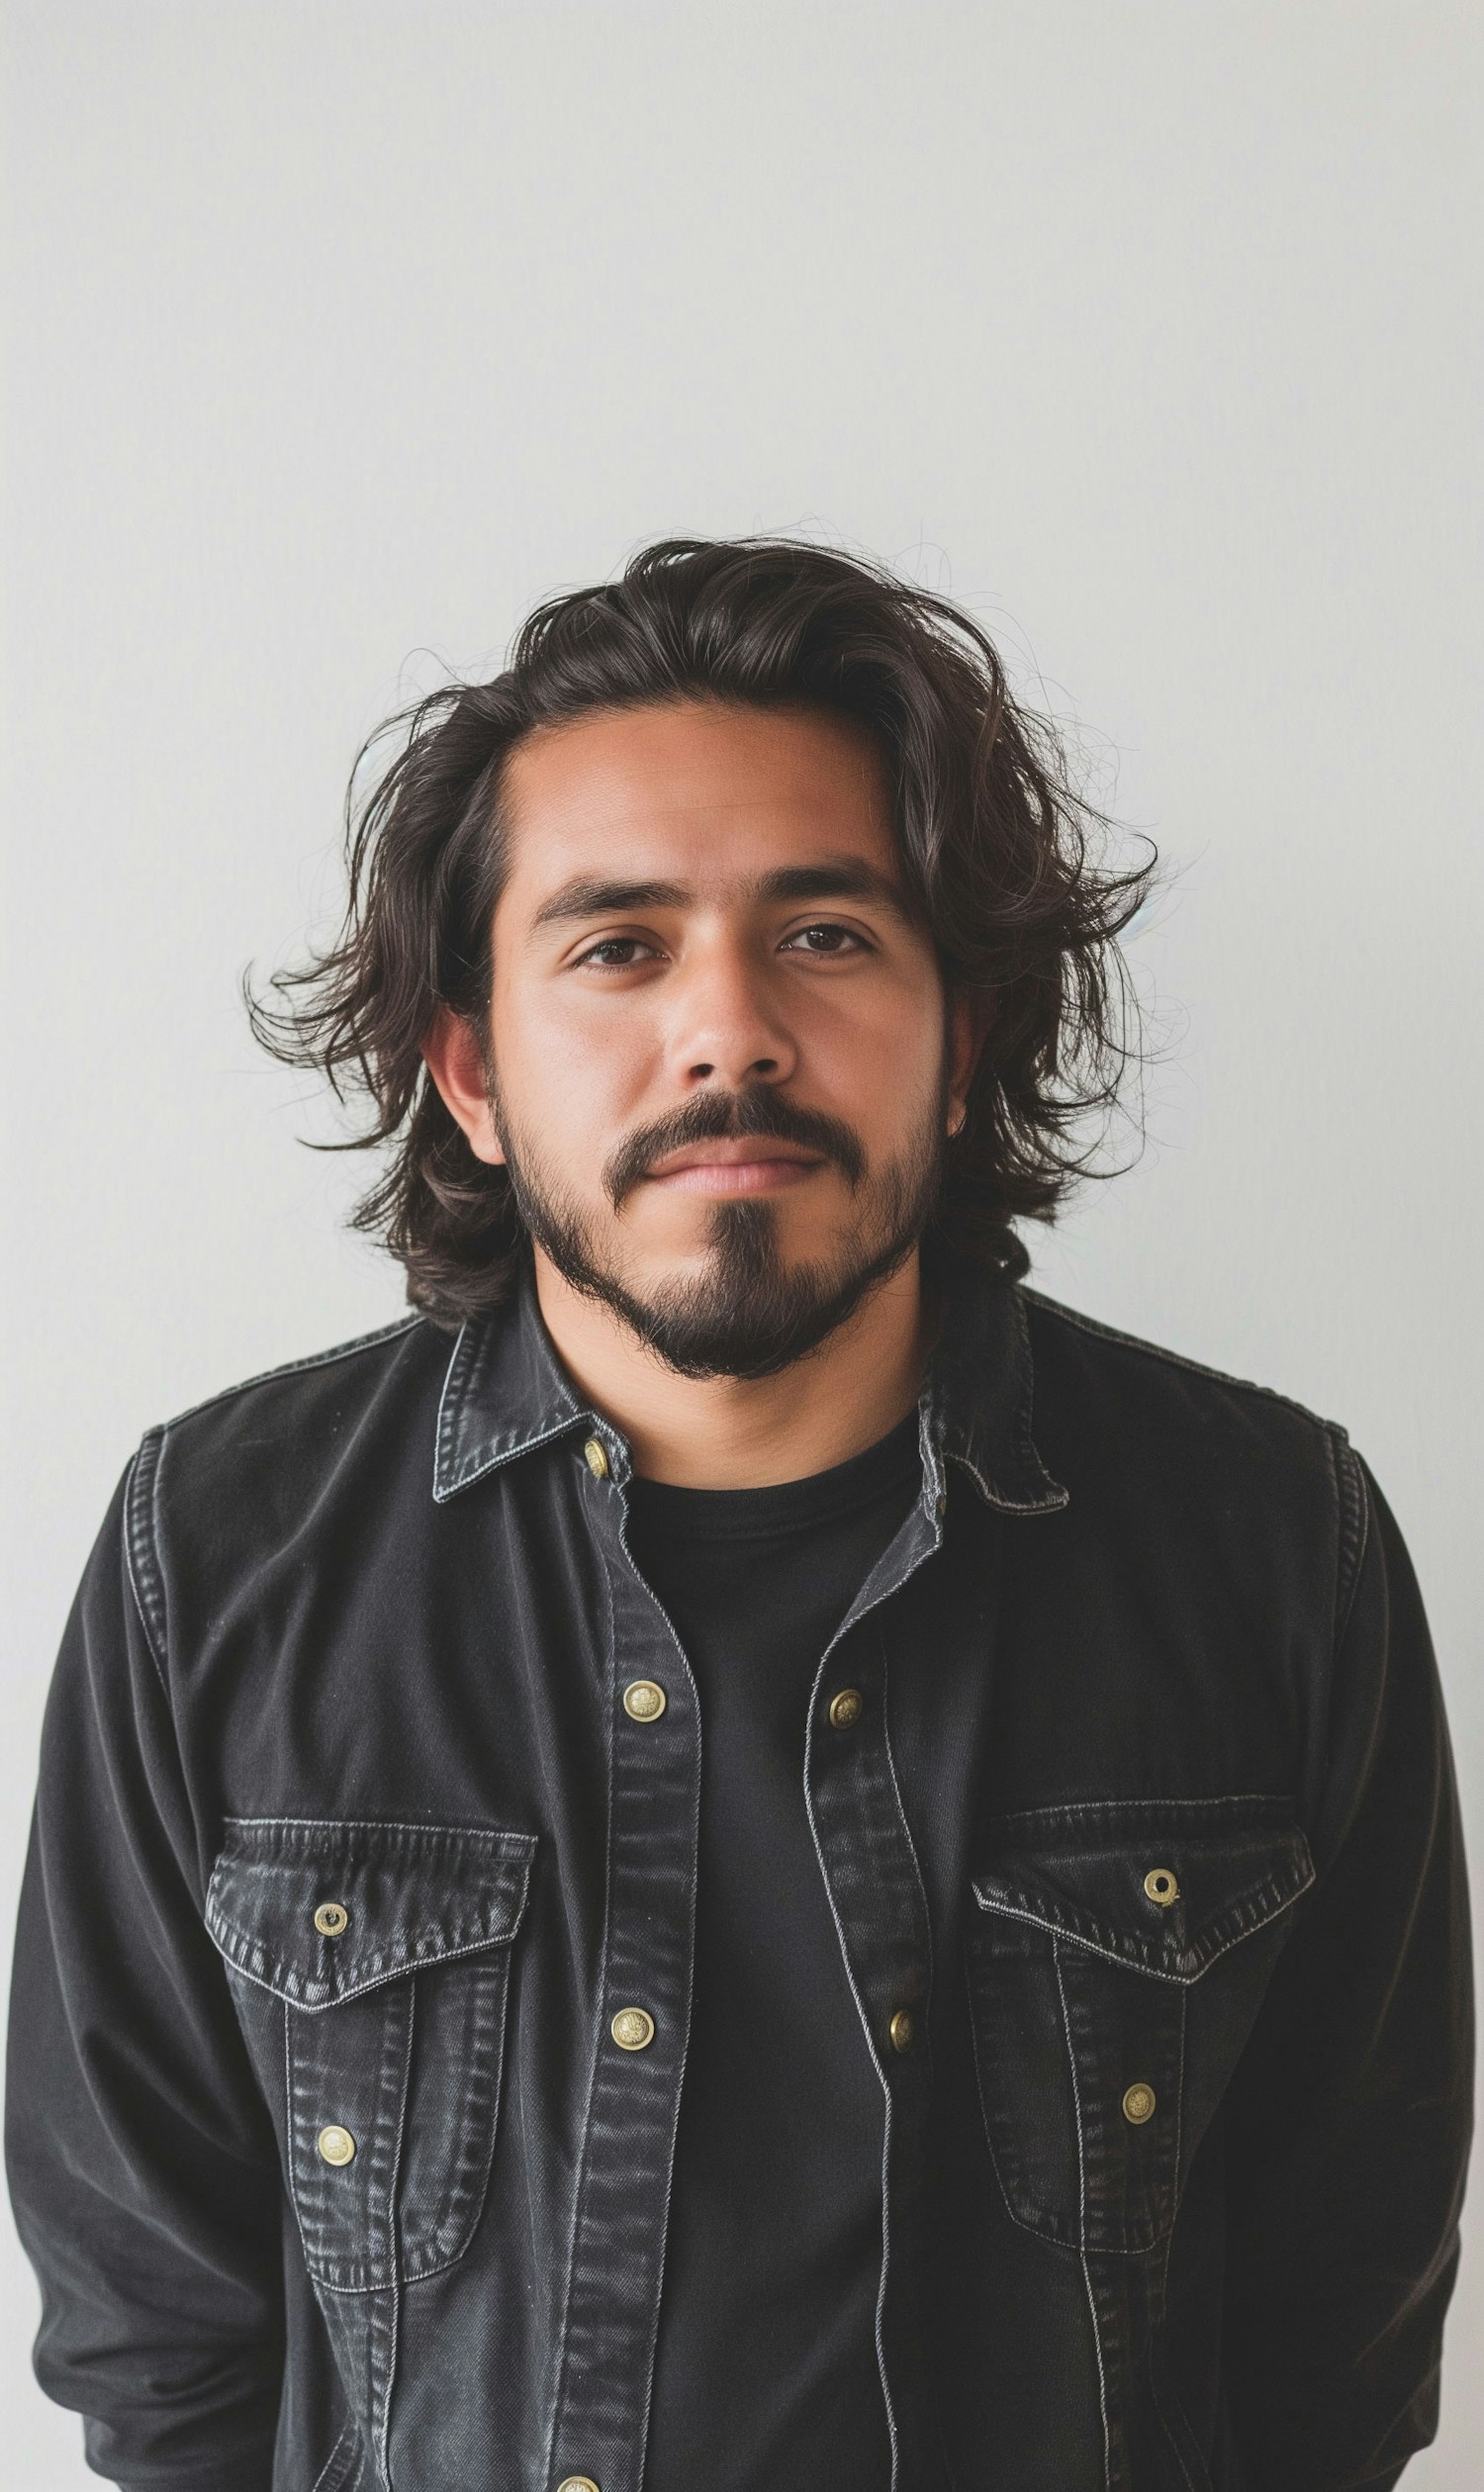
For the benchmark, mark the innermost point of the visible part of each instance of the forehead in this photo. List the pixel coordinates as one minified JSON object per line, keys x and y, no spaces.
{"x":710,"y":789}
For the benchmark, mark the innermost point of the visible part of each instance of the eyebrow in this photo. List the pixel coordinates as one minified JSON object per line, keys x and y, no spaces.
{"x":826,"y":878}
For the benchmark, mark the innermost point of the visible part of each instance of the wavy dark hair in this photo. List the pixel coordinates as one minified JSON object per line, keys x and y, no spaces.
{"x":1005,"y":860}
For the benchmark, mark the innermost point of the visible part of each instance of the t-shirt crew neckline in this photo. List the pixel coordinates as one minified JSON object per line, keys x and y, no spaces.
{"x":786,"y":1506}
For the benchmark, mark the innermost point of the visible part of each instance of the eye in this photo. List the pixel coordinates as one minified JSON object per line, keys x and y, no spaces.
{"x":614,"y":952}
{"x":826,"y":941}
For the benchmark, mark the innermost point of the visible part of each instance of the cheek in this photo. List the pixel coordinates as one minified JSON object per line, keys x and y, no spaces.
{"x":564,"y":1080}
{"x":880,"y":1064}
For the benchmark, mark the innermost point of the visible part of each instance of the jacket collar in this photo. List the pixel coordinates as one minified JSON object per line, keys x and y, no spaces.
{"x":507,"y":1392}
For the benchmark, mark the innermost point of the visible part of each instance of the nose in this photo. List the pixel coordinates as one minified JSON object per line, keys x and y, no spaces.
{"x":727,"y":1025}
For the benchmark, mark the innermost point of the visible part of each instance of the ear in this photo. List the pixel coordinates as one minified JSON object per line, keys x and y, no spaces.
{"x":970,"y":1015}
{"x":451,"y":1053}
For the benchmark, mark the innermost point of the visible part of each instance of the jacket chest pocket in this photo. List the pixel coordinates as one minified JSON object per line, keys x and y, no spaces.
{"x":370,"y":1965}
{"x":1118,"y":1956}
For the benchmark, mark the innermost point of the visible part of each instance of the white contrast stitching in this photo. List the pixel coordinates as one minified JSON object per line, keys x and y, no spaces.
{"x":1345,"y":1595}
{"x":446,"y":1419}
{"x":865,"y":2017}
{"x":347,"y":2432}
{"x":520,"y":1843}
{"x":454,"y":1399}
{"x":384,"y":2436}
{"x":1097,"y":2333}
{"x":1150,"y":2365}
{"x":133,"y":1528}
{"x":685,"y":2056}
{"x":498,"y":1455}
{"x":1150,"y":1972}
{"x":1095,"y":1807}
{"x":1048,"y":1504}
{"x":1165,"y":2268}
{"x":288,"y":2117}
{"x":299,"y":1367}
{"x":487,"y":2029}
{"x":219,"y":1924}
{"x":609,"y":1675}
{"x":853,"y":1619}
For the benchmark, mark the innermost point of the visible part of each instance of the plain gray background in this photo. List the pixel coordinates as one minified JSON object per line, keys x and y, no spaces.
{"x":340,"y":333}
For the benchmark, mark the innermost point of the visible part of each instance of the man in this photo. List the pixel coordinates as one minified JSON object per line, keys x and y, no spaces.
{"x":781,"y":1864}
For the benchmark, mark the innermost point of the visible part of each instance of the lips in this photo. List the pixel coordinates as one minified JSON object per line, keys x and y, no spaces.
{"x":726,"y":1147}
{"x":751,"y":1151}
{"x":755,"y":1164}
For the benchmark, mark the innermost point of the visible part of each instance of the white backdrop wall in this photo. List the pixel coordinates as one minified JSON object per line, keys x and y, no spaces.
{"x":340,"y":333}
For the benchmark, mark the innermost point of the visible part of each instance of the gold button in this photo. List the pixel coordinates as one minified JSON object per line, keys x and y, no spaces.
{"x":336,"y":2146}
{"x":901,"y":2030}
{"x":1139,"y":2104}
{"x":846,"y":1709}
{"x":632,"y":2029}
{"x":577,"y":2483}
{"x":1161,"y":1886}
{"x":643,"y":1701}
{"x":596,"y":1458}
{"x":940,"y":1504}
{"x":331,"y":1919}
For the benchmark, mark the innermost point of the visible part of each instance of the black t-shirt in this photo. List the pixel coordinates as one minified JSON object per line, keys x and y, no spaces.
{"x":766,"y":2372}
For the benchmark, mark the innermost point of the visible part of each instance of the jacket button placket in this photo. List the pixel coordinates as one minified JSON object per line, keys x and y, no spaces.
{"x":643,"y":2009}
{"x":870,"y":1869}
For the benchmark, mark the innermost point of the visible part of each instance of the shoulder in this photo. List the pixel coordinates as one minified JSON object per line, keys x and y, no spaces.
{"x":1110,"y":1401}
{"x":1127,"y":1361}
{"x":299,"y":1418}
{"x":353,"y":1365}
{"x":213,"y":1492}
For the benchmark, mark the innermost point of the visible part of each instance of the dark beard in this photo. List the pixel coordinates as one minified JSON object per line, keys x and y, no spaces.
{"x":748,"y":1313}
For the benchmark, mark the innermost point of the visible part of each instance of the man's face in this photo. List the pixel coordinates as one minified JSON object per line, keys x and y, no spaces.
{"x":719,"y":1057}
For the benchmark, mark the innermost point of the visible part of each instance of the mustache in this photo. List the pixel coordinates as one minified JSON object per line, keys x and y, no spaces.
{"x":716,"y":1116}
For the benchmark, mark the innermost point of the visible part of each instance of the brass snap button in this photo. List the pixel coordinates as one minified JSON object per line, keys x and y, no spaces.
{"x":1139,"y":2104}
{"x":594,"y":1456}
{"x":336,"y":2146}
{"x":331,"y":1919}
{"x":901,"y":2030}
{"x":1161,"y":1886}
{"x":632,"y":2029}
{"x":846,"y":1709}
{"x":577,"y":2483}
{"x":644,"y":1701}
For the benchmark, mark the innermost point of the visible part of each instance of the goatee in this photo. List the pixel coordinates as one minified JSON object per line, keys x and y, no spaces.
{"x":747,"y":1313}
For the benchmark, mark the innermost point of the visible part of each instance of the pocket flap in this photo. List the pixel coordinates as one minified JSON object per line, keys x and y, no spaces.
{"x":319,"y":1909}
{"x":1079,"y":1872}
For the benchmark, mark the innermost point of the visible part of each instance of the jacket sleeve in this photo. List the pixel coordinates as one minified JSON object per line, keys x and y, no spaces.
{"x":1349,"y":2119}
{"x":142,"y":2165}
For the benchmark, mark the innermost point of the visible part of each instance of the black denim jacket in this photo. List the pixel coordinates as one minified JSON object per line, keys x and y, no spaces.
{"x":349,"y":1855}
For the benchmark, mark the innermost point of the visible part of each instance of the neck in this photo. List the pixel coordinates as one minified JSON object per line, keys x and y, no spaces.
{"x":737,"y":1431}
